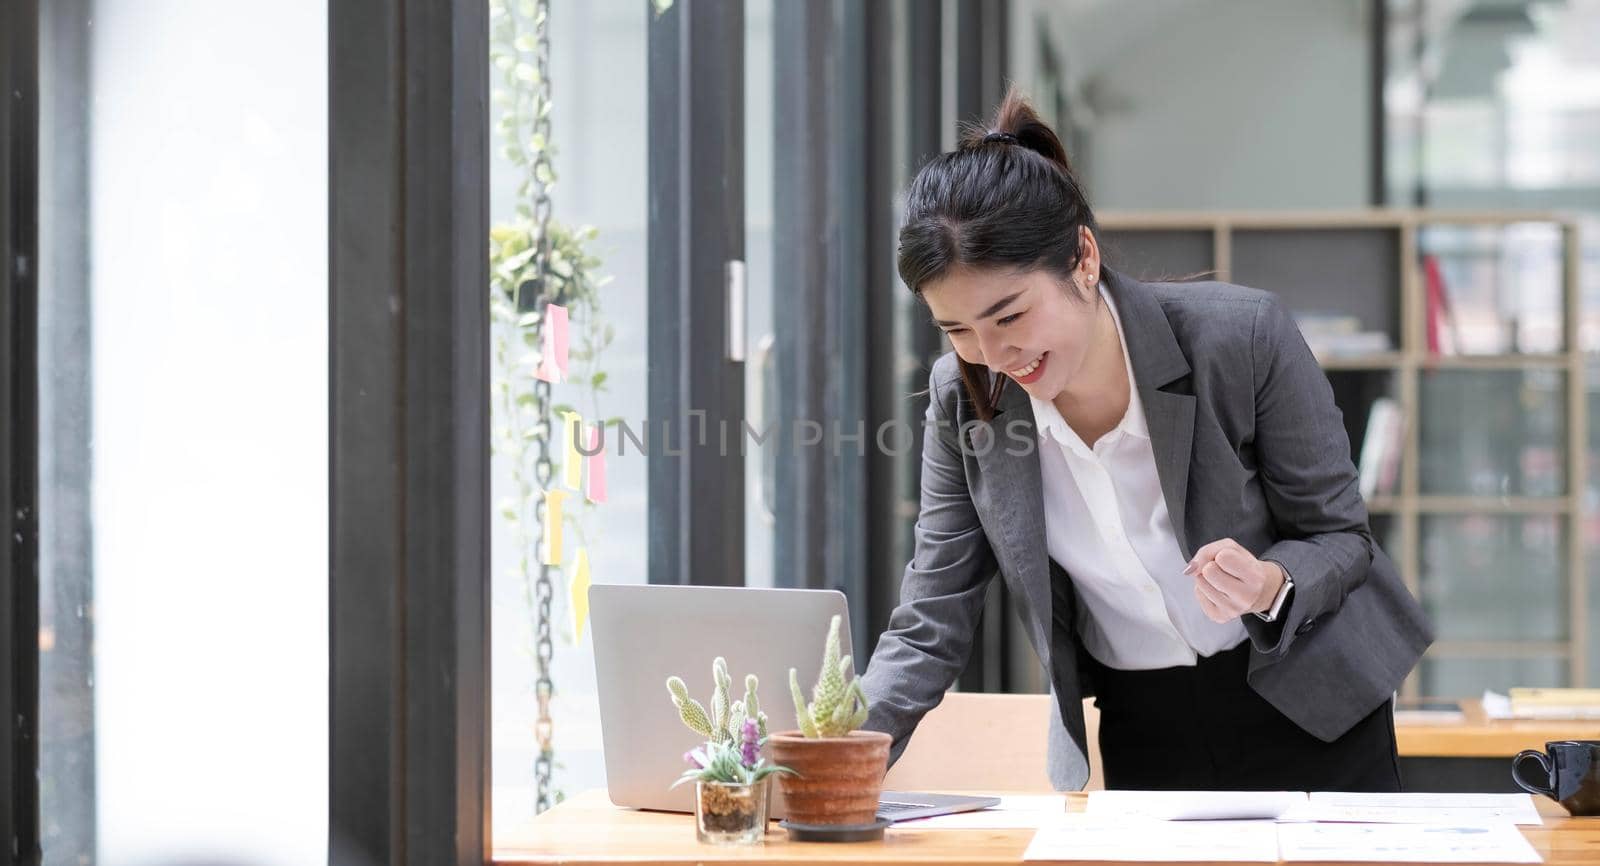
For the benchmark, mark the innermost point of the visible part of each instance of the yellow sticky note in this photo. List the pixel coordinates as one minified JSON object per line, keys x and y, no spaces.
{"x":572,"y":462}
{"x":552,"y":526}
{"x":578,"y":594}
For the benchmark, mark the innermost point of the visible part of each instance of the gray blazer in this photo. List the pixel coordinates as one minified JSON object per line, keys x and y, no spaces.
{"x":1248,"y":445}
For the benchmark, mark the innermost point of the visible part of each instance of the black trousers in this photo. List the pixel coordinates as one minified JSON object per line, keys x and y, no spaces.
{"x":1203,"y":728}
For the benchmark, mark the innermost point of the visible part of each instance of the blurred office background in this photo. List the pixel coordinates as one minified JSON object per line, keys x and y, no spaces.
{"x":183,"y":308}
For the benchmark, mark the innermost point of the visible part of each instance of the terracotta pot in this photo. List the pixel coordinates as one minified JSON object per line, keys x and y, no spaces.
{"x":840,"y":777}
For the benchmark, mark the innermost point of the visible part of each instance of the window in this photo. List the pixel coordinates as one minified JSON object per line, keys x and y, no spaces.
{"x":183,"y":433}
{"x":1495,"y":107}
{"x":597,"y":150}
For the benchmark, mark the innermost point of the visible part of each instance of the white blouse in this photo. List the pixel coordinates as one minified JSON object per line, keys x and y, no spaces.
{"x":1106,"y":524}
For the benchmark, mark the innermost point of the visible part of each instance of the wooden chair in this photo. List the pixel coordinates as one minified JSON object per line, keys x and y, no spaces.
{"x":975,"y":741}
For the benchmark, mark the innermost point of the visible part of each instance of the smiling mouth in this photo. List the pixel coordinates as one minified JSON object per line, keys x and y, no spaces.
{"x":1029,"y":372}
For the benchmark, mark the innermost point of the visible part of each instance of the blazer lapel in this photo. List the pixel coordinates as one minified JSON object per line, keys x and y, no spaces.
{"x":1014,"y":491}
{"x":1158,"y":362}
{"x":1171,"y":420}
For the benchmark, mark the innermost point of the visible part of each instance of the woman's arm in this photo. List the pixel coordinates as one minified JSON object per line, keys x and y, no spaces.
{"x":941,"y":595}
{"x":1311,"y":488}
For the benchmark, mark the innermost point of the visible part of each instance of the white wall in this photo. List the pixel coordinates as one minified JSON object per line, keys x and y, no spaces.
{"x":1212,"y":103}
{"x":209,"y":284}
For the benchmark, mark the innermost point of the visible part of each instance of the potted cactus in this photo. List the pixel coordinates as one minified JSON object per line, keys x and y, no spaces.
{"x":839,"y":769}
{"x":730,"y":775}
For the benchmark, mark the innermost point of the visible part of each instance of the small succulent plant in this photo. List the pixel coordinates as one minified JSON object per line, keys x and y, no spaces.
{"x":735,"y":732}
{"x":725,"y":722}
{"x":734,"y":763}
{"x":838,"y":705}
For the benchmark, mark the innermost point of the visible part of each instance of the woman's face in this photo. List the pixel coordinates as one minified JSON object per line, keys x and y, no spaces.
{"x":1034,"y":326}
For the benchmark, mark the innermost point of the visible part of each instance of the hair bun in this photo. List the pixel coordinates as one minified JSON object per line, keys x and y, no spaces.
{"x":1015,"y":122}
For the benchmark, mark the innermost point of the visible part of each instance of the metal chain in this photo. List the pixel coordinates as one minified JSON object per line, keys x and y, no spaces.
{"x":543,"y":171}
{"x":543,"y":472}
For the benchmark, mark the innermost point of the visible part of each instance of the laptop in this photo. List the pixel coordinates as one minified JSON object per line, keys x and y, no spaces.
{"x":646,"y":633}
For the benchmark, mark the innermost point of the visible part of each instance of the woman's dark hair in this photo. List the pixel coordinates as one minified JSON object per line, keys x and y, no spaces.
{"x":1005,"y":198}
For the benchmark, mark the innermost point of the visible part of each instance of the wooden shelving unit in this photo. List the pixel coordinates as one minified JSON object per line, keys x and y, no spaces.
{"x":1368,"y":264}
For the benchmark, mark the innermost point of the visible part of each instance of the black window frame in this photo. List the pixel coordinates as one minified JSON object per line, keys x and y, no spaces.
{"x":19,"y":434}
{"x":695,"y":229}
{"x":408,"y":451}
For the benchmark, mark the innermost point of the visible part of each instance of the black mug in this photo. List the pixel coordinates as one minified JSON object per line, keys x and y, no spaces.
{"x":1569,"y":774}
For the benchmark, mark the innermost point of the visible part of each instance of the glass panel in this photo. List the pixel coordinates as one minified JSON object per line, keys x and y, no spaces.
{"x":909,"y":376}
{"x":1493,"y":289}
{"x":1494,"y":432}
{"x":183,"y":322}
{"x":598,"y":147}
{"x":1590,"y":533}
{"x":1490,"y":100}
{"x":1469,"y":678}
{"x":1495,"y":577}
{"x":760,"y":469}
{"x":1588,"y":240}
{"x":1495,"y":106}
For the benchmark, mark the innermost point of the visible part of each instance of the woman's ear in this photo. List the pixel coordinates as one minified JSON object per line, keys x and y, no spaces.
{"x":1088,"y":256}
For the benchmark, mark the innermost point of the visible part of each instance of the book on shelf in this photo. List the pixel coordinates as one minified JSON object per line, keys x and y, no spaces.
{"x":1335,"y":335}
{"x":1379,"y":469}
{"x":1543,"y":703}
{"x":1440,"y":319}
{"x":1556,"y":703}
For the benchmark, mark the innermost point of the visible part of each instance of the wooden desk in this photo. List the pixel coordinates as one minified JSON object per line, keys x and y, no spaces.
{"x":589,"y":830}
{"x":1478,"y":736}
{"x":1474,"y":754}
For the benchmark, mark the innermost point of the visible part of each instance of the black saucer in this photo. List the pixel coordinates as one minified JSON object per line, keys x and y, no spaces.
{"x":835,"y":832}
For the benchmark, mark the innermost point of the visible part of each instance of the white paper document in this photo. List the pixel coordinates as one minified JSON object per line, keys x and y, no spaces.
{"x":1496,"y":705}
{"x":1082,"y":836}
{"x":1406,"y":843}
{"x":1022,"y":811}
{"x":1330,"y":806}
{"x":1197,"y":805}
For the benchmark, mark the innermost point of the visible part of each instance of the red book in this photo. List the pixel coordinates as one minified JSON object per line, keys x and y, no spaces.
{"x":1437,"y":307}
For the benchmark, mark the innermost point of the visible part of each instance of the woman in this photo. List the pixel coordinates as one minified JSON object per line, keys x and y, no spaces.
{"x":1161,"y":476}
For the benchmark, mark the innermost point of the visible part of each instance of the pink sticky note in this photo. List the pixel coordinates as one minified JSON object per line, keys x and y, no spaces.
{"x":547,"y":371}
{"x":597,"y":466}
{"x":555,"y":319}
